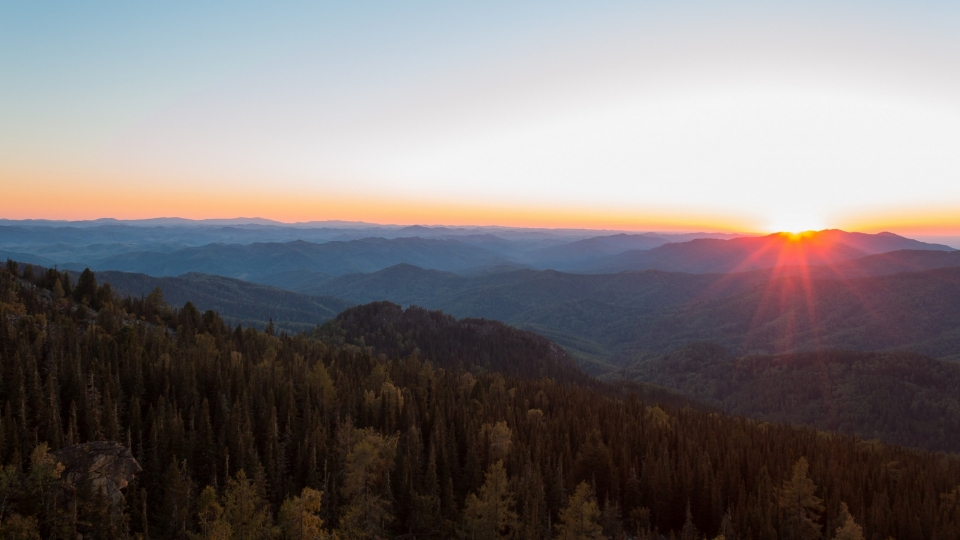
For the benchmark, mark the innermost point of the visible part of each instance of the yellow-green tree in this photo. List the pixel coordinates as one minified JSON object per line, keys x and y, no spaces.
{"x":848,"y":529}
{"x":213,"y":526}
{"x":17,"y":527}
{"x":244,"y":508}
{"x":366,"y":484}
{"x":43,"y":484}
{"x":579,"y":520}
{"x":490,"y":516}
{"x":799,"y":505}
{"x":299,"y":516}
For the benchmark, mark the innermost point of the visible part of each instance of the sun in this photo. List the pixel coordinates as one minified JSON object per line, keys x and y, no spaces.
{"x":795,"y":225}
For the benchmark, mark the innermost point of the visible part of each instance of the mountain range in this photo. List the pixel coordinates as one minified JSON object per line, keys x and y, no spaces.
{"x":607,"y":319}
{"x":768,"y":295}
{"x":823,"y":248}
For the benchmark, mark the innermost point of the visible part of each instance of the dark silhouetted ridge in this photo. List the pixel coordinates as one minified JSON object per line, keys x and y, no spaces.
{"x":471,"y":344}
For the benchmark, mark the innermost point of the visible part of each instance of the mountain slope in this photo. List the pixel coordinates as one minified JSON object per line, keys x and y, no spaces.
{"x":613,"y":318}
{"x":893,"y":262}
{"x":918,"y":311}
{"x":237,"y":301}
{"x":900,"y":398}
{"x":187,"y":391}
{"x":823,"y":248}
{"x":574,"y":254}
{"x":472,"y":344}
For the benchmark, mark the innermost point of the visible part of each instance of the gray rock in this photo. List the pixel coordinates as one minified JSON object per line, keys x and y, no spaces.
{"x":105,"y":465}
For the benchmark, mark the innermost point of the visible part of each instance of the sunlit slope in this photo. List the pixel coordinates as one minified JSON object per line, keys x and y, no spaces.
{"x":894,"y":262}
{"x":823,"y":248}
{"x":618,"y":316}
{"x":917,"y":311}
{"x":902,"y":398}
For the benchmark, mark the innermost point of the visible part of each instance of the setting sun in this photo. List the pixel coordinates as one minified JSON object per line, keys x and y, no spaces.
{"x":795,"y":224}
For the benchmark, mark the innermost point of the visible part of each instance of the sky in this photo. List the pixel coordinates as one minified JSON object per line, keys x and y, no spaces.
{"x":725,"y":115}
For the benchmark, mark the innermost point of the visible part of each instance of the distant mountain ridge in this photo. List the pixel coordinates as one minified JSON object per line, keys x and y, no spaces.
{"x":244,"y":248}
{"x":236,"y":301}
{"x":335,"y":258}
{"x":575,"y":254}
{"x":823,"y":248}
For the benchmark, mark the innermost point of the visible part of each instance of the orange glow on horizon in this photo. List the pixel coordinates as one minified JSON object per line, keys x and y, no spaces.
{"x":42,"y":197}
{"x":75,"y":196}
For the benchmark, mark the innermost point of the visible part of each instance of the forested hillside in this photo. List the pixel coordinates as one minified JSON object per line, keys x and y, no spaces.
{"x":470,"y":344}
{"x":246,"y":434}
{"x":609,"y":320}
{"x":897,"y":397}
{"x":916,"y":311}
{"x":234,"y":300}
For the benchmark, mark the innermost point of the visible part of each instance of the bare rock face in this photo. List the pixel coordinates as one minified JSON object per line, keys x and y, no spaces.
{"x":105,"y":465}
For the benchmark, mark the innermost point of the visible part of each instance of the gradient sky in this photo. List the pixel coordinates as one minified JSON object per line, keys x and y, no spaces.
{"x":749,"y":116}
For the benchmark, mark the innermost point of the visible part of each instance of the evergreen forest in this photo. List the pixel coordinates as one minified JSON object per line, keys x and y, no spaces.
{"x":386,"y":423}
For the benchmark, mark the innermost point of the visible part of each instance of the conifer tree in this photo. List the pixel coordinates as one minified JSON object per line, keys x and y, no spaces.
{"x":86,"y":290}
{"x":490,"y":516}
{"x":366,"y":485}
{"x":299,"y":517}
{"x":43,"y":484}
{"x":57,"y":290}
{"x":579,"y":520}
{"x":177,"y":498}
{"x":17,"y":527}
{"x":244,"y":509}
{"x":848,"y":529}
{"x":799,"y":505}
{"x":689,"y":530}
{"x":210,"y":517}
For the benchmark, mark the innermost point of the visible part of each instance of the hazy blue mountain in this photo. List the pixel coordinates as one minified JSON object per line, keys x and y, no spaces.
{"x":237,"y":301}
{"x":594,"y":316}
{"x":334,"y":258}
{"x":79,"y":244}
{"x":26,"y":257}
{"x":576,"y":253}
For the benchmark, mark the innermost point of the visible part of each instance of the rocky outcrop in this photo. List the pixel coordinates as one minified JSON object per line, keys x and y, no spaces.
{"x":106,"y":465}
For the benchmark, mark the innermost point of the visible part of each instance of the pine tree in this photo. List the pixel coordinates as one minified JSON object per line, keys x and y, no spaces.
{"x":490,"y":516}
{"x":366,"y":485}
{"x":177,"y":499}
{"x":579,"y":520}
{"x":213,"y":526}
{"x":799,"y":505}
{"x":57,"y":290}
{"x":299,"y":516}
{"x":689,"y":530}
{"x":86,"y":290}
{"x":848,"y":529}
{"x":244,"y":509}
{"x":43,"y":484}
{"x":18,"y":527}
